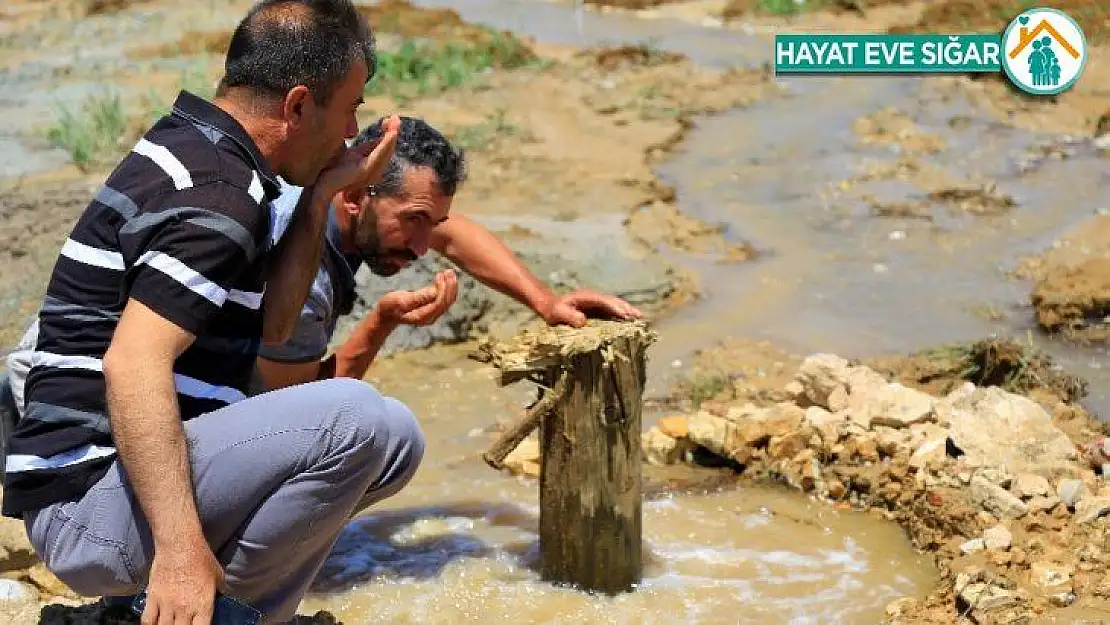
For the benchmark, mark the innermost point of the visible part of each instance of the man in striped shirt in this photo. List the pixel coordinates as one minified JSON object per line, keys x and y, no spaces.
{"x":139,"y":460}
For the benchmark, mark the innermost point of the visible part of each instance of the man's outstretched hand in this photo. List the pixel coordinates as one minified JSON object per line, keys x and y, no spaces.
{"x":421,"y":307}
{"x":575,"y":308}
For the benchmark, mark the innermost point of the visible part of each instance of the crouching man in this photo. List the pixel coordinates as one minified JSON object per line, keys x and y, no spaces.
{"x":139,"y":460}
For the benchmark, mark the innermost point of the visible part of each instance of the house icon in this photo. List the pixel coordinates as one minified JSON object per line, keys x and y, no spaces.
{"x":1026,"y":37}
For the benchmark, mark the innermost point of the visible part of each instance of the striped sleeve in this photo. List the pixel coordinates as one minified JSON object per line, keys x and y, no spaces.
{"x":184,"y":256}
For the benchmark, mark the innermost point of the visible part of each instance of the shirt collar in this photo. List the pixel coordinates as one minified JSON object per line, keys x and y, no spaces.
{"x":354,"y":260}
{"x":202,"y":112}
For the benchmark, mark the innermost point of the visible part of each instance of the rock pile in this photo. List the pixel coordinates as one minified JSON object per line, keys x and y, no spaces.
{"x":981,"y":477}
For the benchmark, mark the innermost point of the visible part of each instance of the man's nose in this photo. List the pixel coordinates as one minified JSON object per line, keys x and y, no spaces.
{"x":352,"y":127}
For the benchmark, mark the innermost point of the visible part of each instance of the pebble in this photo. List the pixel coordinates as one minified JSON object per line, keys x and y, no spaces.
{"x":1071,"y":491}
{"x":973,"y":545}
{"x":998,"y":538}
{"x":14,"y":590}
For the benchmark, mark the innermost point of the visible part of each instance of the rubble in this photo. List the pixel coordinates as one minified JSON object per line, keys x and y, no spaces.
{"x":980,"y":477}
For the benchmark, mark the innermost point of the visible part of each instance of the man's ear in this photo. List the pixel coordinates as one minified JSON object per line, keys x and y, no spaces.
{"x":294,"y":109}
{"x":350,"y":200}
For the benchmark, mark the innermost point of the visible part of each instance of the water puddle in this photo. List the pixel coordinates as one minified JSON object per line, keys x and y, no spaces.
{"x":460,"y":543}
{"x":736,"y":556}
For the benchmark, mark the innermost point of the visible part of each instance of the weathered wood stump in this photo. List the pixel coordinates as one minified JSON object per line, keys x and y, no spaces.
{"x":589,"y":421}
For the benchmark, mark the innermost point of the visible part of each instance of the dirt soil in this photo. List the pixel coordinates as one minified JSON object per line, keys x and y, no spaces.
{"x":1070,"y":293}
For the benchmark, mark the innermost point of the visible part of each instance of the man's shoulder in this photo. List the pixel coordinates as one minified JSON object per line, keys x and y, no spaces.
{"x":176,"y":155}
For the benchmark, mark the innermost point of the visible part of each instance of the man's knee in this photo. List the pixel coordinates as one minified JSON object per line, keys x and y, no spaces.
{"x":375,"y":427}
{"x":406,"y":429}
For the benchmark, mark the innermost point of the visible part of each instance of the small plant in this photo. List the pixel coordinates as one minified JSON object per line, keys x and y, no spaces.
{"x":420,"y":68}
{"x":90,"y":134}
{"x":94,"y":132}
{"x":700,"y":388}
{"x":481,"y":135}
{"x":194,"y":79}
{"x":789,"y":7}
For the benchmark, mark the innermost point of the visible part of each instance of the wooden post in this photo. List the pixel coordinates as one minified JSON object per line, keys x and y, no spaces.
{"x":589,"y":420}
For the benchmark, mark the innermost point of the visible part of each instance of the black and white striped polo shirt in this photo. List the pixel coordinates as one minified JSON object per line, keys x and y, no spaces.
{"x":182,"y":225}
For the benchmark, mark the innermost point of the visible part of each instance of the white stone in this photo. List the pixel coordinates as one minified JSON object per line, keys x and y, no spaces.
{"x":995,"y":499}
{"x":1090,"y":508}
{"x":1001,"y":429}
{"x":660,"y":449}
{"x":892,"y":405}
{"x":1029,"y":485}
{"x":820,"y":375}
{"x":1049,"y":575}
{"x":1071,"y":491}
{"x":998,"y":538}
{"x":973,"y":545}
{"x":14,"y":590}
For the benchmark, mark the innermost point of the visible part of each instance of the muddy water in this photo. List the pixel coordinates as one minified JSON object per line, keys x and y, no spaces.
{"x":460,"y":543}
{"x":834,"y":276}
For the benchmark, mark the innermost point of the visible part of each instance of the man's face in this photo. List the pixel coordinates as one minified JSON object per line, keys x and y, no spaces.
{"x":320,"y":136}
{"x":393,"y":231}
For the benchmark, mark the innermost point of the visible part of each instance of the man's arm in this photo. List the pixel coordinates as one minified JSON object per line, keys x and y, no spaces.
{"x":150,"y":437}
{"x":298,"y":360}
{"x":354,"y":356}
{"x":481,"y":254}
{"x":291,"y":272}
{"x":351,"y":360}
{"x":298,"y":257}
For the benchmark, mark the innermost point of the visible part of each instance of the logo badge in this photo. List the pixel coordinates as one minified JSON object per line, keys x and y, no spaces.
{"x":1044,"y":51}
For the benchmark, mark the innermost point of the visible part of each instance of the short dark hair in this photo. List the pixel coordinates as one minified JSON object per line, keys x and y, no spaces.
{"x":284,"y":43}
{"x":418,"y":145}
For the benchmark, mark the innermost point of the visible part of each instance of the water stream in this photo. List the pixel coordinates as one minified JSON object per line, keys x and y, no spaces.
{"x":460,"y":543}
{"x":832,"y":277}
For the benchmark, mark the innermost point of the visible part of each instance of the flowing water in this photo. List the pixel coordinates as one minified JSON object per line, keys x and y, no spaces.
{"x":460,"y":543}
{"x":832,"y":277}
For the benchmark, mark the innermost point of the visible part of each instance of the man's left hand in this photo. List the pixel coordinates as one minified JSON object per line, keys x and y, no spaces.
{"x":574,"y":308}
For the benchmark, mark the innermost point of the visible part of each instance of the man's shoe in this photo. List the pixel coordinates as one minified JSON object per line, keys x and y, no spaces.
{"x":125,"y":601}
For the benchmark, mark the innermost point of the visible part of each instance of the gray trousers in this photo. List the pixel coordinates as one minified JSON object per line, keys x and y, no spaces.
{"x":276,"y":478}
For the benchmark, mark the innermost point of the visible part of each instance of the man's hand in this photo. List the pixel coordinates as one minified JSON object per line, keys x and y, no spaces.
{"x":574,"y":308}
{"x":421,"y":307}
{"x":183,"y":585}
{"x":361,"y":165}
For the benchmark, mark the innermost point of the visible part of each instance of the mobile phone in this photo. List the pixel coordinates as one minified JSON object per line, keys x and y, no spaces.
{"x":227,"y":611}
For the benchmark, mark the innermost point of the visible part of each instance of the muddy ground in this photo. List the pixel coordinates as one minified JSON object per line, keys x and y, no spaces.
{"x":562,"y":143}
